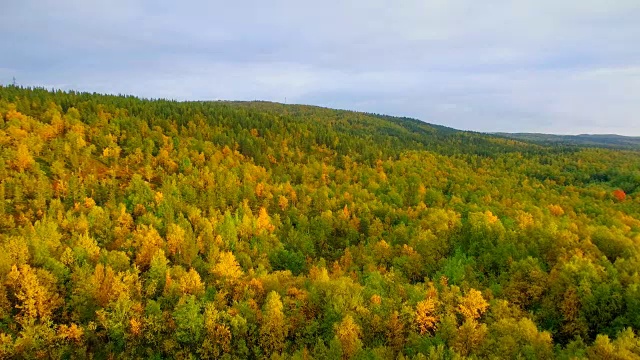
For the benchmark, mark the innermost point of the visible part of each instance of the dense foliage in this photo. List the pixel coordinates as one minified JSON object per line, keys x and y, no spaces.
{"x":137,"y":228}
{"x":598,"y":140}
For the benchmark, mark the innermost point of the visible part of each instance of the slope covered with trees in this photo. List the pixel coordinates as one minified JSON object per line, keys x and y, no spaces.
{"x":135,"y":228}
{"x":598,"y":140}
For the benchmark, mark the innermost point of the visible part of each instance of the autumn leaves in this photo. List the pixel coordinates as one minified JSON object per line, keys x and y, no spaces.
{"x":155,"y":229}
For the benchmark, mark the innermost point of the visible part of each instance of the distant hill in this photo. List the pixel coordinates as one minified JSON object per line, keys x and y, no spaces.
{"x":598,"y":140}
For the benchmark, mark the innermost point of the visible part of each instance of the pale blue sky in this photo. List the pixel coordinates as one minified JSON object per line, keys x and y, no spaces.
{"x":536,"y":66}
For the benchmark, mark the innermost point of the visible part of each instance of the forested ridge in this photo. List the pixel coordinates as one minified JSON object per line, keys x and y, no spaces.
{"x":137,"y":228}
{"x":599,"y":140}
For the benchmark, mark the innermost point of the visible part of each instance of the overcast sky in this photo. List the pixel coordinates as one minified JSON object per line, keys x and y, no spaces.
{"x":557,"y":66}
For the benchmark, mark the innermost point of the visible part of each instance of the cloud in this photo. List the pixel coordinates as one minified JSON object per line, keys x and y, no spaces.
{"x":562,"y":67}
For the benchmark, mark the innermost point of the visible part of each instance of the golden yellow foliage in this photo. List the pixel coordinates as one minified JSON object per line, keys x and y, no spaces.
{"x":218,"y":338}
{"x":426,"y":318}
{"x":23,"y":159}
{"x":376,"y":299}
{"x":274,"y":329}
{"x":34,"y":291}
{"x":472,"y":305}
{"x":114,"y":211}
{"x":190,"y":283}
{"x":469,"y":337}
{"x":319,"y":274}
{"x":556,"y":210}
{"x":14,"y":251}
{"x":283,"y":203}
{"x":491,"y":219}
{"x":348,"y":334}
{"x":6,"y":346}
{"x":111,"y":152}
{"x":510,"y":337}
{"x":175,"y":239}
{"x":227,"y":267}
{"x":102,"y":283}
{"x":260,"y":189}
{"x":264,"y":221}
{"x":626,"y":346}
{"x":89,"y":202}
{"x":524,"y":219}
{"x":123,"y":224}
{"x":147,"y":242}
{"x":15,"y":115}
{"x":158,"y":197}
{"x":383,"y":251}
{"x":89,"y":245}
{"x":71,"y":332}
{"x":135,"y":326}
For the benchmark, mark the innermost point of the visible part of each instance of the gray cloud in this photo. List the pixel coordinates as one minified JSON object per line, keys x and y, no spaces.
{"x":562,"y":67}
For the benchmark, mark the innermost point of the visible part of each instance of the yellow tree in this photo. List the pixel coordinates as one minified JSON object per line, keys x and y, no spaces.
{"x":264,"y":221}
{"x":217,"y":341}
{"x":71,"y":333}
{"x":23,"y":159}
{"x":147,"y":242}
{"x":625,"y":346}
{"x":105,"y":285}
{"x":472,"y":305}
{"x":470,"y":334}
{"x":227,"y":267}
{"x":283,"y":202}
{"x":190,"y":283}
{"x":175,"y":239}
{"x":274,"y":329}
{"x":513,"y":338}
{"x":34,"y":292}
{"x":101,"y":284}
{"x":426,"y":318}
{"x":469,"y":337}
{"x":348,"y":334}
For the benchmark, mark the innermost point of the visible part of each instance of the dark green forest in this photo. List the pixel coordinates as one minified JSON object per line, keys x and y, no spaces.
{"x":154,"y":229}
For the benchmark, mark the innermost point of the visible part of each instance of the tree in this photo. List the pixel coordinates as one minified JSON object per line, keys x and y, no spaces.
{"x":274,"y":328}
{"x":264,"y":221}
{"x":175,"y":240}
{"x":511,"y":338}
{"x":190,"y":283}
{"x":472,"y":305}
{"x":469,"y":337}
{"x":619,"y":195}
{"x":396,"y":332}
{"x":217,"y":340}
{"x":34,"y":292}
{"x":189,"y":321}
{"x":348,"y":334}
{"x":426,"y":317}
{"x":227,"y":267}
{"x":625,"y":346}
{"x":147,"y":242}
{"x":23,"y":159}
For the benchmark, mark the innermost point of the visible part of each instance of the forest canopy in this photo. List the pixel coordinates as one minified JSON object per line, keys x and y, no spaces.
{"x":138,"y":228}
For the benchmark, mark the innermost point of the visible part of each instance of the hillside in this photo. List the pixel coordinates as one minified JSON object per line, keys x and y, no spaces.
{"x":137,"y":228}
{"x":598,"y":140}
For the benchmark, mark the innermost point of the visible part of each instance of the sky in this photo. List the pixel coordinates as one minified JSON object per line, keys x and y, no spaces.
{"x":564,"y":67}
